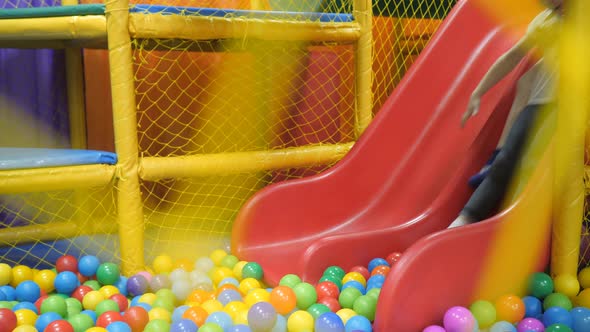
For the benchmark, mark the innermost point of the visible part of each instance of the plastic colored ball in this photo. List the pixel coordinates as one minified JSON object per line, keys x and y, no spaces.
{"x":331,"y":303}
{"x":55,"y":303}
{"x":333,"y":279}
{"x":87,"y":265}
{"x":159,"y":281}
{"x":305,"y":294}
{"x":59,"y":325}
{"x":540,"y":285}
{"x":161,"y":314}
{"x":503,"y":326}
{"x":5,"y":274}
{"x":25,"y":305}
{"x":137,"y":318}
{"x":280,"y":325}
{"x":212,"y":306}
{"x":327,"y":289}
{"x":137,"y":285}
{"x":90,"y":314}
{"x":229,"y":261}
{"x":335,"y":271}
{"x":25,"y":328}
{"x":557,"y":300}
{"x":580,"y":319}
{"x":509,"y":308}
{"x":566,"y":284}
{"x":248,"y":284}
{"x":210,"y":327}
{"x":217,"y":255}
{"x":163,"y":264}
{"x":148,"y":298}
{"x":9,"y":292}
{"x":484,"y":312}
{"x":252,"y":270}
{"x":45,"y":279}
{"x":66,"y":282}
{"x":95,"y":285}
{"x":66,"y":263}
{"x":108,"y":273}
{"x":283,"y":298}
{"x":8,"y":320}
{"x":530,"y":325}
{"x":118,"y":327}
{"x":348,"y":296}
{"x":73,"y":306}
{"x":92,"y":299}
{"x":532,"y":306}
{"x":219,"y":273}
{"x":109,"y":317}
{"x":21,"y":273}
{"x":181,"y":289}
{"x":365,"y":306}
{"x":184,"y":325}
{"x":257,"y":295}
{"x":558,"y":328}
{"x":317,"y":309}
{"x":584,"y":277}
{"x":106,"y":305}
{"x":358,"y":323}
{"x":81,"y":322}
{"x":377,"y":262}
{"x":329,"y":322}
{"x":300,"y":321}
{"x":97,"y":329}
{"x":28,"y":291}
{"x":354,"y":276}
{"x":458,"y":319}
{"x":246,"y":328}
{"x":362,"y":270}
{"x":434,"y":328}
{"x":237,"y":269}
{"x":204,"y":264}
{"x":197,"y":314}
{"x":157,"y":326}
{"x":25,"y":316}
{"x":121,"y":301}
{"x":228,"y":296}
{"x":583,"y":299}
{"x":45,"y":319}
{"x":80,"y":292}
{"x":262,"y":316}
{"x":557,"y":315}
{"x":354,"y":284}
{"x":381,"y":269}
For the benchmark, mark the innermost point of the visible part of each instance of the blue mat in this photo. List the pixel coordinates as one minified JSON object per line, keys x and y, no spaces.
{"x":25,"y":158}
{"x":229,"y":13}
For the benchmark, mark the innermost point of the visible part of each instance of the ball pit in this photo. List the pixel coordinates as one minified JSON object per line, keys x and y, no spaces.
{"x":218,"y":293}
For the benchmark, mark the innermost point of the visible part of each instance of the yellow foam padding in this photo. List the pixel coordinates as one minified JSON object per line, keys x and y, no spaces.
{"x":92,"y":27}
{"x":517,"y":246}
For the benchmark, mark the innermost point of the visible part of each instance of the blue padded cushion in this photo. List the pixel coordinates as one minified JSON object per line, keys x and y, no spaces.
{"x":23,"y":158}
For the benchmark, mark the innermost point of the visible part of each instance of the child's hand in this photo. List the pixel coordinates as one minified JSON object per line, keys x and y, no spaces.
{"x":472,"y":109}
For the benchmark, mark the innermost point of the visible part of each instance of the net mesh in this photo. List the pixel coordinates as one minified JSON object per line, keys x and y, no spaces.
{"x":218,"y":97}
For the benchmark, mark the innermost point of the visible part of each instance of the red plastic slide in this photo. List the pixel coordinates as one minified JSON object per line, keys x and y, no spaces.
{"x":405,"y":178}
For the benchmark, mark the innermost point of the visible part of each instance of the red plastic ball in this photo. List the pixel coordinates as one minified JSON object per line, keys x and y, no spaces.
{"x":327,"y":289}
{"x":67,"y":263}
{"x":59,"y":326}
{"x":362,"y":270}
{"x":121,"y":301}
{"x":7,"y":320}
{"x":82,"y":278}
{"x":108,"y":317}
{"x":331,"y":303}
{"x":137,"y":318}
{"x":39,"y":301}
{"x":393,"y":258}
{"x":80,"y":292}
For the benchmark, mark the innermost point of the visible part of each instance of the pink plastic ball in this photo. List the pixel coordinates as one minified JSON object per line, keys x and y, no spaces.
{"x":530,"y":325}
{"x":459,"y":319}
{"x":434,"y":328}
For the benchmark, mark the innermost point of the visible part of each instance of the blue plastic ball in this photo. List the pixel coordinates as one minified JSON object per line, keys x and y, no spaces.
{"x":355,"y":284}
{"x":581,"y":319}
{"x":503,"y":326}
{"x":228,"y":295}
{"x":9,"y":291}
{"x":25,"y":305}
{"x":28,"y":291}
{"x":87,"y":265}
{"x":119,"y":327}
{"x":178,"y":312}
{"x":376,"y":262}
{"x":229,"y":280}
{"x":280,"y":324}
{"x":121,"y":285}
{"x":44,"y":319}
{"x":66,"y":282}
{"x":242,"y":328}
{"x":329,"y":322}
{"x":184,"y":325}
{"x":533,"y":306}
{"x":557,"y":315}
{"x":220,"y":318}
{"x":358,"y":323}
{"x":90,"y":313}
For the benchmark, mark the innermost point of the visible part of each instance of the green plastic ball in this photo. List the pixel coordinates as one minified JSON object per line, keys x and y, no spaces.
{"x":540,"y":285}
{"x":558,"y":328}
{"x":108,"y":273}
{"x":374,"y":292}
{"x":74,"y":306}
{"x":348,"y":296}
{"x":306,"y":295}
{"x":557,"y":300}
{"x":106,"y":305}
{"x":158,"y":325}
{"x":366,"y":306}
{"x":335,"y":271}
{"x":81,"y":322}
{"x":317,"y":309}
{"x":484,"y":312}
{"x":229,"y":261}
{"x":95,"y":285}
{"x":290,"y":280}
{"x":252,"y":270}
{"x":163,"y":303}
{"x":333,"y":279}
{"x":210,"y":327}
{"x":56,"y":304}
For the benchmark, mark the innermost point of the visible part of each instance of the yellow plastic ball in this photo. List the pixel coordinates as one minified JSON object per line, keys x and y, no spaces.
{"x":583,"y":299}
{"x":45,"y":279}
{"x":163,"y":264}
{"x":219,"y":273}
{"x":354,"y":276}
{"x":97,"y":329}
{"x":238,"y":269}
{"x":108,"y":291}
{"x":256,"y":295}
{"x":241,"y":317}
{"x":212,"y":306}
{"x":21,"y":273}
{"x":345,"y":314}
{"x":25,"y":328}
{"x":584,"y":277}
{"x":217,"y":255}
{"x":92,"y":299}
{"x":234,"y":308}
{"x":148,"y":298}
{"x":300,"y":321}
{"x":567,"y":284}
{"x":5,"y":274}
{"x":248,"y":284}
{"x":160,"y":313}
{"x":25,"y":317}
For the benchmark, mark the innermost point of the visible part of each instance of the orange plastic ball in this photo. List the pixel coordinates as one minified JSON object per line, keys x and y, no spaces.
{"x":283,"y":299}
{"x":509,"y":308}
{"x":199,"y":296}
{"x":381,"y":269}
{"x":197,"y":314}
{"x":227,"y":286}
